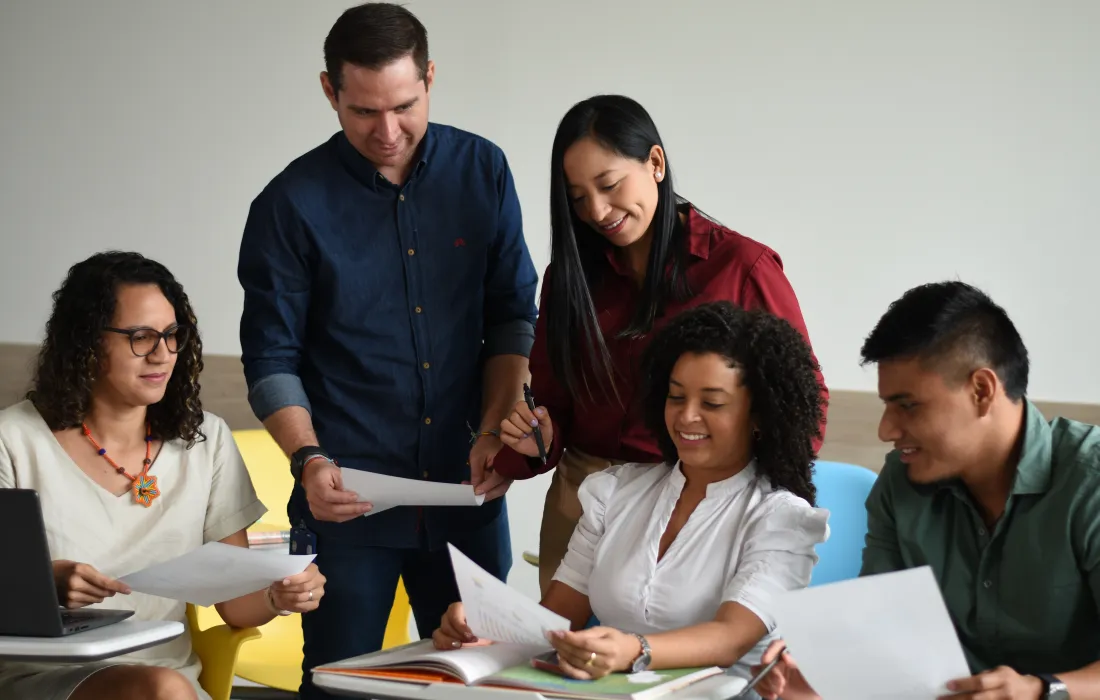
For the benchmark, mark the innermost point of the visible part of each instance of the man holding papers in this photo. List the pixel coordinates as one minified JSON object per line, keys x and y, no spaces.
{"x":389,"y":308}
{"x":1002,"y":504}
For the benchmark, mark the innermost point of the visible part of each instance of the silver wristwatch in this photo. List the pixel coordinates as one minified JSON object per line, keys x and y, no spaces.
{"x":644,"y":659}
{"x":1053,"y":687}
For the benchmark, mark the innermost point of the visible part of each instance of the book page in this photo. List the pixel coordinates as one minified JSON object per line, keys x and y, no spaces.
{"x":497,"y":612}
{"x":469,"y":663}
{"x":633,"y":686}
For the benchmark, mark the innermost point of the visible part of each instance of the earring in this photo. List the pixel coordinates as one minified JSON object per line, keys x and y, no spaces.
{"x":658,"y":175}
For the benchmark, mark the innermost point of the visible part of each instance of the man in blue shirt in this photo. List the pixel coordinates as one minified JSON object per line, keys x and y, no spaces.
{"x":389,"y":308}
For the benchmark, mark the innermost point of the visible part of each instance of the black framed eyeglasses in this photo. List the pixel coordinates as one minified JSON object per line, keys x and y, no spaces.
{"x":145,"y":341}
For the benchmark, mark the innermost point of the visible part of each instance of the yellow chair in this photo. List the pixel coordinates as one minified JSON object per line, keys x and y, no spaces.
{"x":217,"y":647}
{"x":274,"y":659}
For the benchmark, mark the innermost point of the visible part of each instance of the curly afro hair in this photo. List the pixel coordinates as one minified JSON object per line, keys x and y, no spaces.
{"x":69,"y":359}
{"x":778,"y":369}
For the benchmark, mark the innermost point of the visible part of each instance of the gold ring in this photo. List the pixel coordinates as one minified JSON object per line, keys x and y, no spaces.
{"x":591,"y":659}
{"x":311,"y":595}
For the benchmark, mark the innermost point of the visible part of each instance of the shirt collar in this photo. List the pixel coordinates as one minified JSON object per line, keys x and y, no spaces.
{"x":697,"y":230}
{"x":725,"y":487}
{"x":1033,"y":468}
{"x":365,"y":171}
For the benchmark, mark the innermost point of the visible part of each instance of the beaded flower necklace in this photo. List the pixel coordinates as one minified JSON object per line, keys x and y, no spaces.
{"x":143,"y":485}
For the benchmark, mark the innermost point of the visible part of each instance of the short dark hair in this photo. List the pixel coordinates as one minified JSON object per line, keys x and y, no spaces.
{"x":955,"y":327}
{"x":68,"y":361}
{"x":374,"y":35}
{"x":578,"y":257}
{"x":777,"y":367}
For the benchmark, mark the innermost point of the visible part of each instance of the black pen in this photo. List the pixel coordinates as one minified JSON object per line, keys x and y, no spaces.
{"x":763,"y":672}
{"x":535,"y":429}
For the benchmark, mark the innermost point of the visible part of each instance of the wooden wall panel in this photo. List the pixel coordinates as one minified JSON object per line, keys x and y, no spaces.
{"x":852,"y":432}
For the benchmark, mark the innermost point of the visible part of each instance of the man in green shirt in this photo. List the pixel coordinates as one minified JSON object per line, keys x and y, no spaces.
{"x":1003,"y":505}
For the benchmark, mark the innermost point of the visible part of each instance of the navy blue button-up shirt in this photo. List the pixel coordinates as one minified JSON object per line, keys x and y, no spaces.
{"x":375,"y":306}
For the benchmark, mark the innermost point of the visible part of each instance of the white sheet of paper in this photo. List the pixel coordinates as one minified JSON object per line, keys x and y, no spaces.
{"x":499,"y":613}
{"x":215,"y":573}
{"x":883,"y":636}
{"x":383,"y":491}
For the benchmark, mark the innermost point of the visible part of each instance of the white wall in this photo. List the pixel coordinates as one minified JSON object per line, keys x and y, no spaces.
{"x":875,"y":145}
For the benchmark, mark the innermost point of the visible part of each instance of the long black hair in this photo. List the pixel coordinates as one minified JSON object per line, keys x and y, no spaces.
{"x":578,"y":254}
{"x":68,"y":361}
{"x":778,"y":369}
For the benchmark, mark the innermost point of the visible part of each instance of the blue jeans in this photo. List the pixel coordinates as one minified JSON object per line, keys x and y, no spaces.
{"x":360,"y":587}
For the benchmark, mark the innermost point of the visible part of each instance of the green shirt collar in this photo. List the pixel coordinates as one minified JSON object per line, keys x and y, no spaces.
{"x":1033,"y":471}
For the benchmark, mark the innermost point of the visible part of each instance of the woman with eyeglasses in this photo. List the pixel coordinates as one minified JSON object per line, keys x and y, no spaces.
{"x":130,"y":471}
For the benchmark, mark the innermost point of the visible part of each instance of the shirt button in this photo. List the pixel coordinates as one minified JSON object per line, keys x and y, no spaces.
{"x":412,"y":252}
{"x":424,"y":474}
{"x":426,"y":365}
{"x":988,"y":584}
{"x":401,"y":197}
{"x":427,"y":421}
{"x":981,"y":531}
{"x":419,"y":310}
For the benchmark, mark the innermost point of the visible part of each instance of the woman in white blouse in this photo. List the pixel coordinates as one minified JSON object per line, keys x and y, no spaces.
{"x":680,"y":561}
{"x":130,"y":471}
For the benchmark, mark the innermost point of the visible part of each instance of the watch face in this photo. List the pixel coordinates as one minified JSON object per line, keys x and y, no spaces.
{"x":1058,"y":691}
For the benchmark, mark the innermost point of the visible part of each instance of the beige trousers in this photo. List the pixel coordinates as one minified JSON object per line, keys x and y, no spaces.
{"x":562,"y":510}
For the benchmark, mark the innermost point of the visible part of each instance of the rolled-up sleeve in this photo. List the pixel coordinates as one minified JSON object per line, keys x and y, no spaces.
{"x":549,"y":392}
{"x":233,"y":504}
{"x":7,"y":469}
{"x":275,"y":272}
{"x":510,"y":279}
{"x":777,"y":555}
{"x":594,"y":493}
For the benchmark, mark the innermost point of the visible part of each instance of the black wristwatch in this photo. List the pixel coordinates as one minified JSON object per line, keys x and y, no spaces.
{"x":298,"y":460}
{"x":1053,"y":689}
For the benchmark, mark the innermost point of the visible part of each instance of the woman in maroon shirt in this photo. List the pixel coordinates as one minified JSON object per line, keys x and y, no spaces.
{"x":627,"y":255}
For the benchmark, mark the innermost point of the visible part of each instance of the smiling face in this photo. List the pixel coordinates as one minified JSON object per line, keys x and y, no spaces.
{"x":384,"y":112}
{"x":124,"y":378}
{"x":616,"y":196}
{"x":708,"y":413}
{"x":936,"y":425}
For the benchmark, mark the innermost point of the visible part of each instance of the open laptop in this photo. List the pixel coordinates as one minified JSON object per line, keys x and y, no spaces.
{"x":29,"y":605}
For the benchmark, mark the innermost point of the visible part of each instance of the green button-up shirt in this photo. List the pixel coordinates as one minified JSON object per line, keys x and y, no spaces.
{"x":1025,"y":595}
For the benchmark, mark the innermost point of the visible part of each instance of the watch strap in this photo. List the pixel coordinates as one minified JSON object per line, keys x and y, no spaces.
{"x":301,"y":457}
{"x":645,"y":657}
{"x":1053,"y":687}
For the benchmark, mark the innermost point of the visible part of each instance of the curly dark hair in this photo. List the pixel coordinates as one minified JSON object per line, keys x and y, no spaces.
{"x":777,"y":367}
{"x":69,"y":359}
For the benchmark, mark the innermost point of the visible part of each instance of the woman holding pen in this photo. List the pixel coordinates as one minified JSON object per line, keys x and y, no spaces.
{"x":627,"y":255}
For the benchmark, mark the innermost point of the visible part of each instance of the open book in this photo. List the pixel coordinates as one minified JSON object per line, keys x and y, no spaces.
{"x":508,"y":666}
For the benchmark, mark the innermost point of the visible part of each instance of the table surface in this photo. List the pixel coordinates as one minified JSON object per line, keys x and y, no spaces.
{"x":92,"y":645}
{"x":713,"y":688}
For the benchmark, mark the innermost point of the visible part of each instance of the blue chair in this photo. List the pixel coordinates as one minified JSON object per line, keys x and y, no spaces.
{"x":842,"y":489}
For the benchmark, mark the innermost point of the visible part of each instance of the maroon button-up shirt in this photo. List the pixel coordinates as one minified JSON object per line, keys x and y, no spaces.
{"x":722,"y":265}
